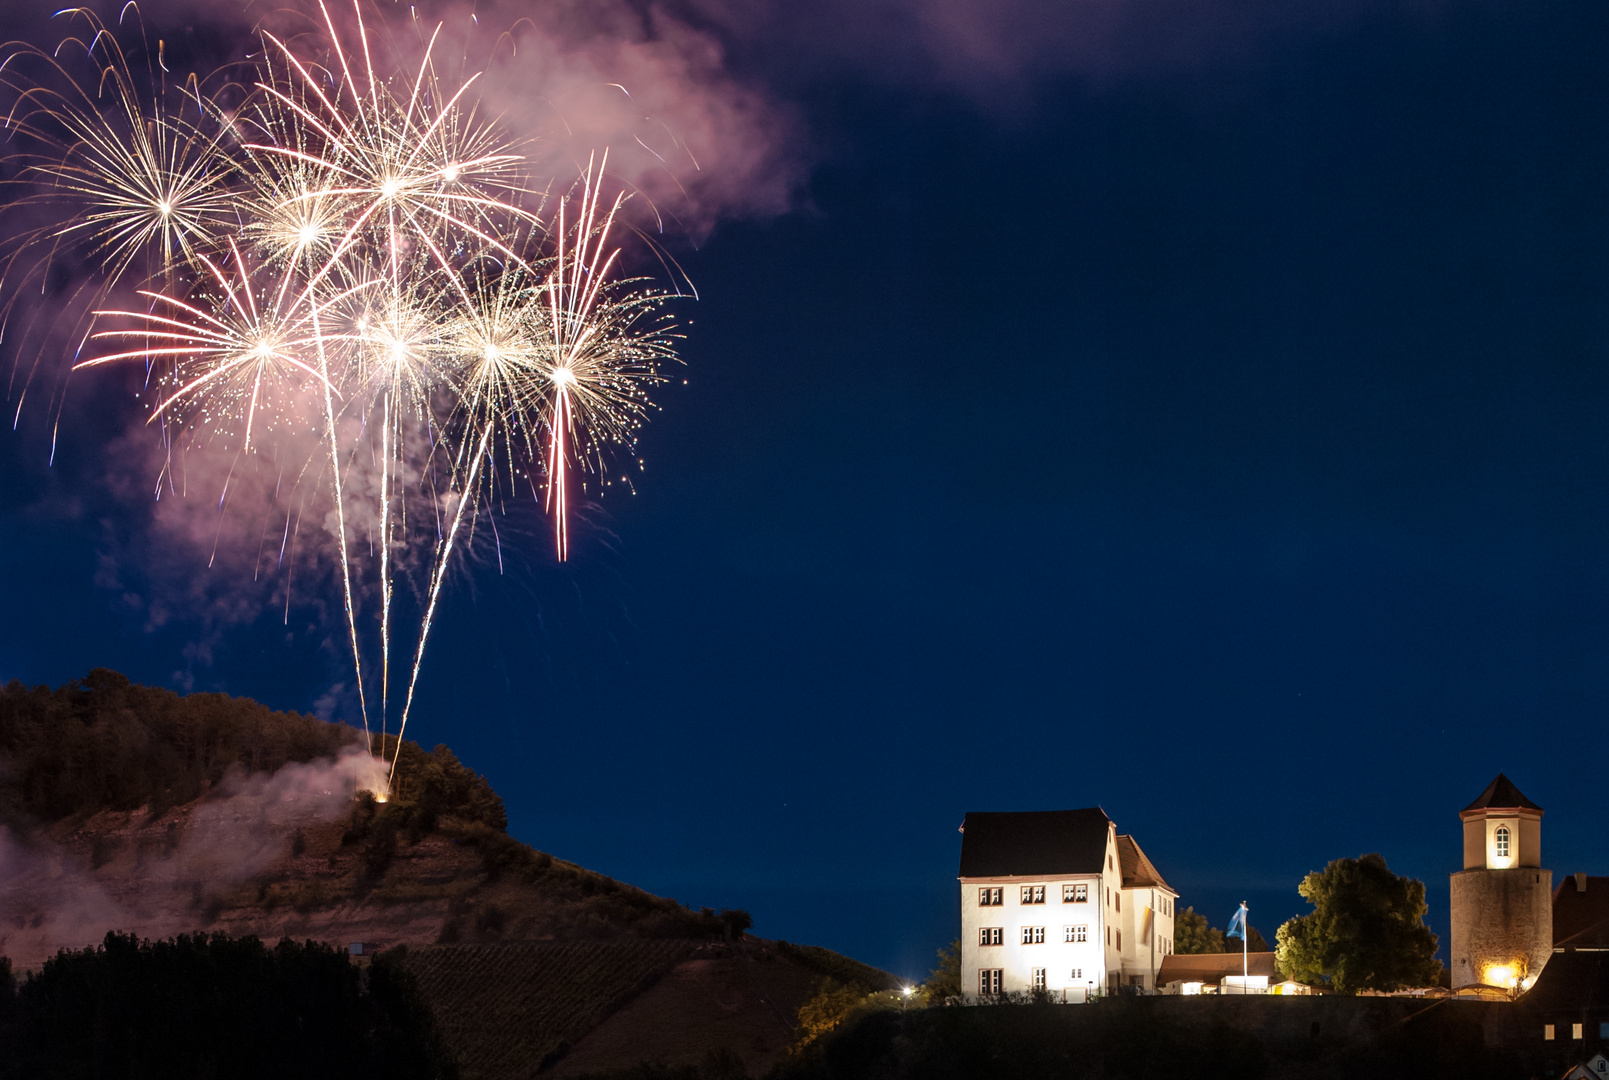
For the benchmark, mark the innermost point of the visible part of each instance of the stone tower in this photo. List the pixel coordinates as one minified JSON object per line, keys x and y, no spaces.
{"x":1502,"y":901}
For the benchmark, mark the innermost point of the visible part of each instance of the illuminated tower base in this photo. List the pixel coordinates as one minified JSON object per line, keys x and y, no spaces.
{"x":1502,"y":901}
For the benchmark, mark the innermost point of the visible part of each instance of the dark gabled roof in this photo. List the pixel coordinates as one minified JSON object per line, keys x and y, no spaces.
{"x":1576,"y":982}
{"x":1034,"y":843}
{"x":1581,"y":915}
{"x":1212,"y":967}
{"x":1501,"y":794}
{"x":1138,"y":873}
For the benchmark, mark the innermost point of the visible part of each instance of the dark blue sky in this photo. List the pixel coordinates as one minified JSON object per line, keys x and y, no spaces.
{"x":1221,"y":443}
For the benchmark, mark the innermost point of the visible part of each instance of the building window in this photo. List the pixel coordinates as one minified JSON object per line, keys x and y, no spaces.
{"x":1033,"y":935}
{"x":1078,"y":973}
{"x":1119,"y":899}
{"x":991,"y":897}
{"x":1033,"y":894}
{"x":989,"y":980}
{"x":1603,"y":1029}
{"x":1501,"y":840}
{"x":1547,"y":1032}
{"x":1075,"y":934}
{"x":1108,"y":937}
{"x":1039,"y":978}
{"x":1120,"y":941}
{"x":1075,"y":894}
{"x":1575,"y":1031}
{"x":991,"y":935}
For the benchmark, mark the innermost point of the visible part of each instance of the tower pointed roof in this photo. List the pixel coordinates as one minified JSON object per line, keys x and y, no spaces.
{"x":1501,"y":794}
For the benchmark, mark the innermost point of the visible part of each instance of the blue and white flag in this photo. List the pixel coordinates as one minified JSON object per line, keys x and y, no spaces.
{"x":1237,"y":925}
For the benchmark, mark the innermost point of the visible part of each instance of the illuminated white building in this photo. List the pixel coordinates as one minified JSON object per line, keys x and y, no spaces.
{"x":1057,"y":901}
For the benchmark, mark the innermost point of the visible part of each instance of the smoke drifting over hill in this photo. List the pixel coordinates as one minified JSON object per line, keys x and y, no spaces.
{"x":160,"y":872}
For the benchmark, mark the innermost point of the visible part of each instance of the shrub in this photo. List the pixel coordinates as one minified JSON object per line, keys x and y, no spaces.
{"x":380,"y":847}
{"x":736,"y":920}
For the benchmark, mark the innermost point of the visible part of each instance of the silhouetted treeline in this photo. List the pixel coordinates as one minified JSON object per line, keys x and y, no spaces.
{"x":104,"y":743}
{"x":841,"y":968}
{"x":434,"y":785}
{"x":205,"y":1007}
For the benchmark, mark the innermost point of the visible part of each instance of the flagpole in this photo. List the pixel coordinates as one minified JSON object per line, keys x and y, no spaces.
{"x":1245,"y":933}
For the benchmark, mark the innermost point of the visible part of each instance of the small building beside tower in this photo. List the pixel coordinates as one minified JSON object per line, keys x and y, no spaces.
{"x":1502,"y":900}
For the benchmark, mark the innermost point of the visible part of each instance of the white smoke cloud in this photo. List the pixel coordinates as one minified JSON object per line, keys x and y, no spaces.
{"x":157,"y":879}
{"x":571,"y":78}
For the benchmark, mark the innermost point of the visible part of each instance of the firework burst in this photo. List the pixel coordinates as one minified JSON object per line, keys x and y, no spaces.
{"x":353,"y":254}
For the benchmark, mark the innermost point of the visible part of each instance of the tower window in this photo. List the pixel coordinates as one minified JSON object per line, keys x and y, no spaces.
{"x":1500,"y":841}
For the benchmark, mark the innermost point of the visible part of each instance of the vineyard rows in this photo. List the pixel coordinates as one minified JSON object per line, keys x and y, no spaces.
{"x":504,"y":1008}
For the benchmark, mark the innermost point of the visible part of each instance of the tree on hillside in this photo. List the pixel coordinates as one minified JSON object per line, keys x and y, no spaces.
{"x":944,"y":982}
{"x":104,"y":743}
{"x":1366,"y":930}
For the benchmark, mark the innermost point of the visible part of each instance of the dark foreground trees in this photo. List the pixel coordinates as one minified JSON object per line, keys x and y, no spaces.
{"x":1366,"y":930}
{"x":203,"y":1007}
{"x":1126,"y":1038}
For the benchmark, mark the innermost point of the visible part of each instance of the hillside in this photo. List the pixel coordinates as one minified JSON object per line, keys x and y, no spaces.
{"x":133,"y":809}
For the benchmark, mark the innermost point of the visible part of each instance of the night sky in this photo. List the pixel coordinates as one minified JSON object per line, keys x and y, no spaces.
{"x":1215,"y":435}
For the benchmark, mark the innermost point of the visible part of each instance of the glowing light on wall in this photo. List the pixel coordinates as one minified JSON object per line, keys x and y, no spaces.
{"x":1500,"y":975}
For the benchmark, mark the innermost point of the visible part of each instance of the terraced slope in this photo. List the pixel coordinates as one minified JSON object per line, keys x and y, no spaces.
{"x":506,"y":1010}
{"x":732,"y":1003}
